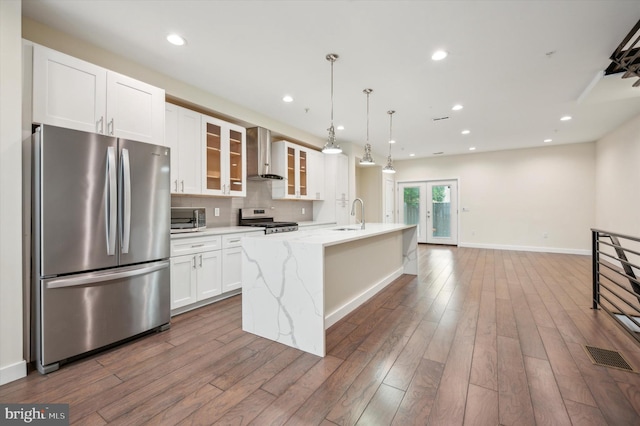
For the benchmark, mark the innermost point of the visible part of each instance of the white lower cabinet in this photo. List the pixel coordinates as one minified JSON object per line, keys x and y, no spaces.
{"x":209,"y":274}
{"x":232,"y":271}
{"x":196,"y":270}
{"x":183,"y":281}
{"x":204,"y":268}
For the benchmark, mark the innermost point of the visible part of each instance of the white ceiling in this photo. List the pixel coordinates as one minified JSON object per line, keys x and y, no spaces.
{"x":516,"y":66}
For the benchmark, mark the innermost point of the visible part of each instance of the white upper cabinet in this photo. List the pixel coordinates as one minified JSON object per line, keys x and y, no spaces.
{"x":68,"y":92}
{"x":316,"y":176}
{"x":182,"y":133}
{"x":224,"y":160}
{"x":135,"y":110}
{"x":72,"y":93}
{"x":301,"y":169}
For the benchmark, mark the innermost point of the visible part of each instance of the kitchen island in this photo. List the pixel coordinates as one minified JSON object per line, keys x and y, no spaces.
{"x":296,"y":285}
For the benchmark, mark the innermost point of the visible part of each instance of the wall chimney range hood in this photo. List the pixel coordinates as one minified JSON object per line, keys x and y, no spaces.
{"x":259,"y":154}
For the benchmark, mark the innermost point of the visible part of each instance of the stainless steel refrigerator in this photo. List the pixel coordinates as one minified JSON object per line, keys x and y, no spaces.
{"x":100,"y":225}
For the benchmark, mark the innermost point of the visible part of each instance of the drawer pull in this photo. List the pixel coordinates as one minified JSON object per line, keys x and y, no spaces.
{"x":197,"y":245}
{"x":234,"y":241}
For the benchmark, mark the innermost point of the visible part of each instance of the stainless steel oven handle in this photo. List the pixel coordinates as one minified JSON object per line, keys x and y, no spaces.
{"x":106,"y":276}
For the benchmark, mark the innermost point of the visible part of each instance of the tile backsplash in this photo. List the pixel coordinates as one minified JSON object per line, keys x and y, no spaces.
{"x":258,"y":195}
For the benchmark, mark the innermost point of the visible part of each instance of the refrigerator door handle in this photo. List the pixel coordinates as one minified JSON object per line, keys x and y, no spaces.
{"x":126,"y":201}
{"x":111,"y":206}
{"x":93,"y":278}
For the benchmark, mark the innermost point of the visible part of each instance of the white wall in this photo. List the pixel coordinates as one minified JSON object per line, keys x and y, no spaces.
{"x":12,"y":364}
{"x":515,"y":197}
{"x":369,"y":188}
{"x":618,"y":180}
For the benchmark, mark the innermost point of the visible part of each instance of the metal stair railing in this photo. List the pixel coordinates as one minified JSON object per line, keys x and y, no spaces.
{"x":616,"y":288}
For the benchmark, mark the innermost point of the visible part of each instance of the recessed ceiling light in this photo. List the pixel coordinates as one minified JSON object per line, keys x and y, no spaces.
{"x":473,"y":148}
{"x":340,"y":127}
{"x":176,"y":40}
{"x":565,"y":118}
{"x":466,"y":132}
{"x":439,"y":55}
{"x":457,"y":107}
{"x":412,"y":155}
{"x":287,"y":98}
{"x":547,"y":140}
{"x":392,"y":141}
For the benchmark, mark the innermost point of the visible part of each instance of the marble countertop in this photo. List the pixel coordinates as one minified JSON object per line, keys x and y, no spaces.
{"x":336,"y":234}
{"x":222,"y":230}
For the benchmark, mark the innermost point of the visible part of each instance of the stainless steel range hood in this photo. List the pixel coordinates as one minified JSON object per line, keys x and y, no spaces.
{"x":259,"y":154}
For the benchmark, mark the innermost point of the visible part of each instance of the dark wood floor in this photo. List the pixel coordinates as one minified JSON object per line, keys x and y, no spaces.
{"x":480,"y":337}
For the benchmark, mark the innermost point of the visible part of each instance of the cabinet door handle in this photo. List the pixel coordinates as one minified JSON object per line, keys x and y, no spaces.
{"x":182,"y":183}
{"x":101,"y":123}
{"x":194,"y":262}
{"x":111,"y":127}
{"x":176,"y":182}
{"x":201,"y":261}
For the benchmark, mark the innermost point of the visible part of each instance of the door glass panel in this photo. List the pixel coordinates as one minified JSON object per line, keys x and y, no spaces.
{"x":303,"y":173}
{"x":441,"y":199}
{"x":411,"y":205}
{"x":291,"y":171}
{"x":214,"y":163}
{"x":235,"y":160}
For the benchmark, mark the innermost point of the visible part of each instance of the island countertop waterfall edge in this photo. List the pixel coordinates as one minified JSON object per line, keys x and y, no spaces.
{"x":296,"y":285}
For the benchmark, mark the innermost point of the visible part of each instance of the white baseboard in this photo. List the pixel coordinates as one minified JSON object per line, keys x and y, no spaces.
{"x":527,"y":248}
{"x":12,"y":372}
{"x":345,"y":309}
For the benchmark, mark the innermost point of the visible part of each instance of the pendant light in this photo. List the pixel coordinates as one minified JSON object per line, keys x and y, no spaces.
{"x":367,"y":160}
{"x":389,"y":167}
{"x":331,"y":147}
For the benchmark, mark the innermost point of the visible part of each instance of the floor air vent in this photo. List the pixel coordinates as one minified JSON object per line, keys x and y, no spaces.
{"x":608,"y":358}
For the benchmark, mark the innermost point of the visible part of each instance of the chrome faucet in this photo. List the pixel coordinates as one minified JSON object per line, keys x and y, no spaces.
{"x":353,"y":210}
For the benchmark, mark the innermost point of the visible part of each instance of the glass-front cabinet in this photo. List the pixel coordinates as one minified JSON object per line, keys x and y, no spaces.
{"x":213,"y":152}
{"x":237,"y":171}
{"x":224,"y":159}
{"x":296,"y":172}
{"x":293,"y":162}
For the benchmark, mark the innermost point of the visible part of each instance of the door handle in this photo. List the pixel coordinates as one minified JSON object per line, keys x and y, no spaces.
{"x":111,"y":127}
{"x":126,"y":201}
{"x":176,"y":184}
{"x":182,"y":183}
{"x":111,"y":206}
{"x":98,"y":277}
{"x":201,"y":261}
{"x":101,"y":123}
{"x":194,"y":262}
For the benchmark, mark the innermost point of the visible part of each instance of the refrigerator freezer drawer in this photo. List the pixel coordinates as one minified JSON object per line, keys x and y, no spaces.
{"x":88,"y":311}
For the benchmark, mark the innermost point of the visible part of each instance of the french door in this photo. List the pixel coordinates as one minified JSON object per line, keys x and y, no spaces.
{"x":433,"y":206}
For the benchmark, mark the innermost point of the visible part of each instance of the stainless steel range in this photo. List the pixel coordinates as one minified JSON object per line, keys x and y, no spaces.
{"x":259,"y":217}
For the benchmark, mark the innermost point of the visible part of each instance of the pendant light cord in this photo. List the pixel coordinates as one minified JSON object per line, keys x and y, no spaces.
{"x":390,"y":130}
{"x":368,"y":92}
{"x":332,"y":61}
